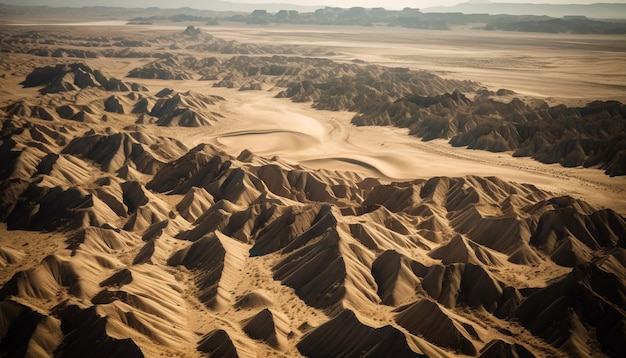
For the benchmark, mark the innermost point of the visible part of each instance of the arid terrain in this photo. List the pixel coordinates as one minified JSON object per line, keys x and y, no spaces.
{"x":235,"y":190}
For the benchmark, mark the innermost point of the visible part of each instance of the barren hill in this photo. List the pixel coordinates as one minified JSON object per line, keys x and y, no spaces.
{"x":130,"y":229}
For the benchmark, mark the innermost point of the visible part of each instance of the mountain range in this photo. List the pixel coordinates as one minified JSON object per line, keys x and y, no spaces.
{"x":597,"y":10}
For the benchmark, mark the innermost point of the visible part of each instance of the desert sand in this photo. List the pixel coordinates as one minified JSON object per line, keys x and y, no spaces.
{"x":174,"y":192}
{"x":568,"y":67}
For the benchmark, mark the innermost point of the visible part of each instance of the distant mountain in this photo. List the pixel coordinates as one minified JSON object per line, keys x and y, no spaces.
{"x":214,"y":5}
{"x":596,"y":11}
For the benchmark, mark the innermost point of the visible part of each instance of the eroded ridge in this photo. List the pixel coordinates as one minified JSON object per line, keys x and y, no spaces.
{"x":120,"y":237}
{"x":279,"y":256}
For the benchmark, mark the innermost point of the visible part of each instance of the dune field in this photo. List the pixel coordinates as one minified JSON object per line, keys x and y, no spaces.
{"x":284,"y":191}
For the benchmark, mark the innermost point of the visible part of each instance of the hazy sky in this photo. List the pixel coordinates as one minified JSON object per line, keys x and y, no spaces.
{"x":201,"y":4}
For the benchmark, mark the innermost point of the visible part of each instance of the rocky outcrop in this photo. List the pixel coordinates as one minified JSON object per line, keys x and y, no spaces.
{"x":74,"y":76}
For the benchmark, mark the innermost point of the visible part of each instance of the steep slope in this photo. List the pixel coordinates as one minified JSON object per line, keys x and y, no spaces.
{"x":589,"y":136}
{"x":119,"y":240}
{"x":427,"y":319}
{"x":216,"y":259}
{"x":73,"y":76}
{"x":346,"y":335}
{"x":186,"y":110}
{"x":584,"y":307}
{"x":269,"y":326}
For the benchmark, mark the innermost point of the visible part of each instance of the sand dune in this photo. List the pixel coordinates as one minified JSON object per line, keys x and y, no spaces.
{"x":9,"y":256}
{"x":500,"y":348}
{"x":220,"y":344}
{"x":426,"y":318}
{"x":255,"y":299}
{"x":459,"y":249}
{"x":31,"y":332}
{"x":113,"y":151}
{"x":217,"y":259}
{"x":222,"y":203}
{"x":397,"y":277}
{"x":334,"y":337}
{"x":194,"y":204}
{"x":187,"y":110}
{"x":556,"y":317}
{"x":269,"y":326}
{"x":62,"y":78}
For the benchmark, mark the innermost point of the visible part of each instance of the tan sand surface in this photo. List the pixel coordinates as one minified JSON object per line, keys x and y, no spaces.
{"x":569,"y":67}
{"x":326,"y":140}
{"x":275,"y":229}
